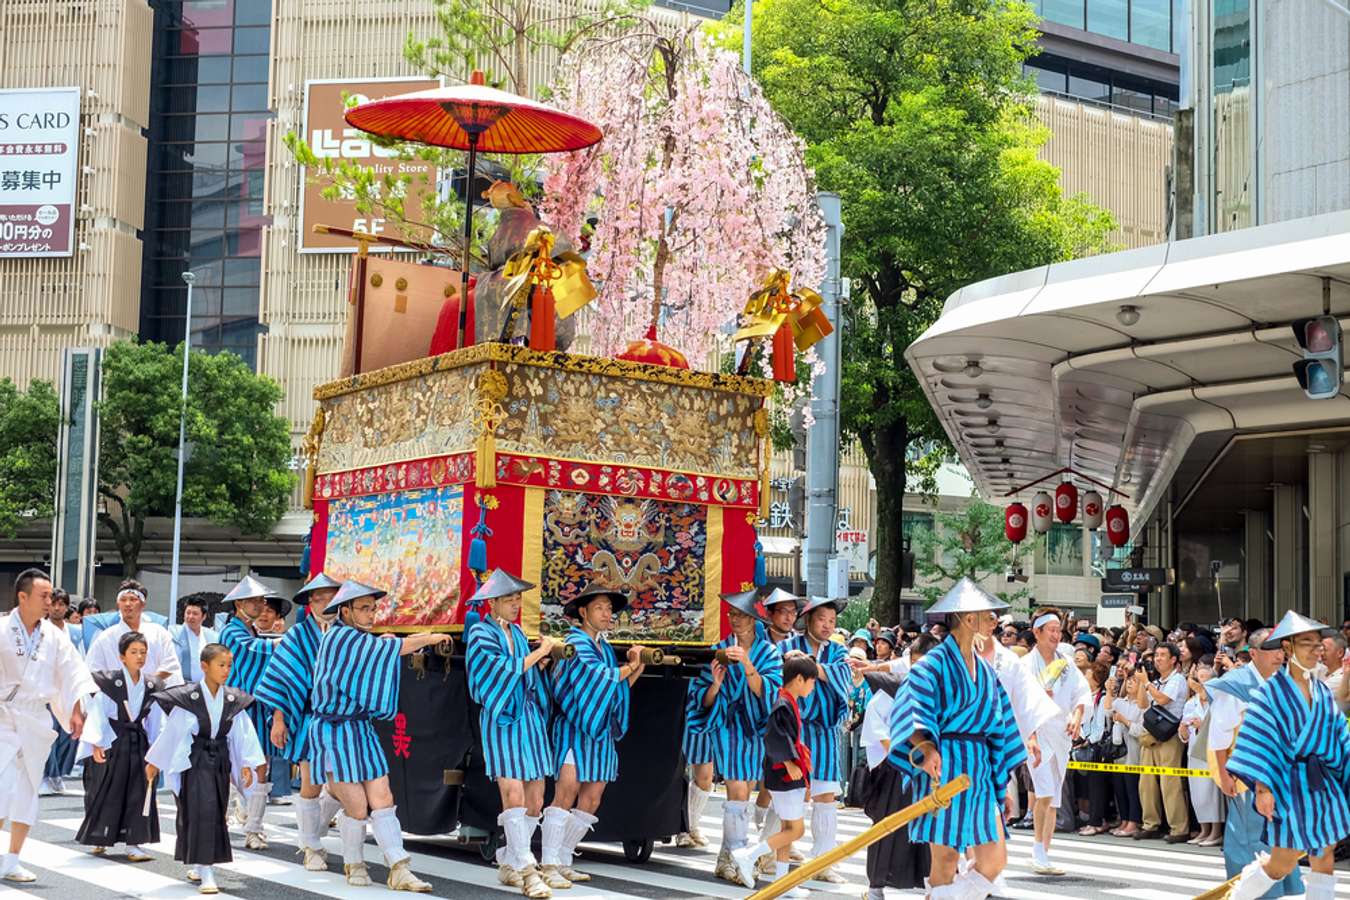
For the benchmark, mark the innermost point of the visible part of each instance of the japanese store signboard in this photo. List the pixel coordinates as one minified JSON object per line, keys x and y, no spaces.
{"x":330,"y":137}
{"x":39,"y":154}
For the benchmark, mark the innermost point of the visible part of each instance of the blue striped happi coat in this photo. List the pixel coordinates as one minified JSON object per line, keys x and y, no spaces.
{"x":356,"y":679}
{"x":697,"y":745}
{"x":824,"y":708}
{"x":971,"y":721}
{"x":1301,"y":752}
{"x":514,"y":703}
{"x":251,"y":656}
{"x":286,"y":685}
{"x":590,"y":709}
{"x":735,"y":722}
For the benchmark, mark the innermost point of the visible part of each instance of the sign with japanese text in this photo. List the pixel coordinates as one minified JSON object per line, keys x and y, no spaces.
{"x":39,"y":155}
{"x":330,"y":137}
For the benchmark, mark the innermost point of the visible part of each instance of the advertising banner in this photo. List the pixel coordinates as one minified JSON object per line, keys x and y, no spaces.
{"x":330,"y":137}
{"x":39,"y":153}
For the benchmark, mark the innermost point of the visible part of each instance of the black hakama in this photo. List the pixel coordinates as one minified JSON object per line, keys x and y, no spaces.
{"x":114,"y":790}
{"x":892,"y":861}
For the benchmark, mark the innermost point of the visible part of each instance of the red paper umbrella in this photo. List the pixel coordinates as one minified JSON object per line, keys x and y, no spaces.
{"x":474,"y":117}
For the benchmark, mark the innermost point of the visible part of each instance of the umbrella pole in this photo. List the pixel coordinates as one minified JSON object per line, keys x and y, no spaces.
{"x":468,"y":240}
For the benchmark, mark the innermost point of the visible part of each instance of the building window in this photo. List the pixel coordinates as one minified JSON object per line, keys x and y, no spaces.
{"x":204,"y":212}
{"x":1064,"y":12}
{"x":1151,"y":23}
{"x":1110,"y":18}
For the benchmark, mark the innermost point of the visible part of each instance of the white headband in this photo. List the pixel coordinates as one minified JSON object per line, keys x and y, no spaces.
{"x":1044,"y":618}
{"x":133,"y":592}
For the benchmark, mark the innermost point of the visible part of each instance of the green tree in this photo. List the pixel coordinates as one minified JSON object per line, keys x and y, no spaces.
{"x":29,"y":426}
{"x":236,"y":474}
{"x":917,"y":113}
{"x":966,"y":544}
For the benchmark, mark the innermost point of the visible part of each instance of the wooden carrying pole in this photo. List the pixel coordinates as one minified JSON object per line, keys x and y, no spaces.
{"x":1223,"y":890}
{"x":939,"y":799}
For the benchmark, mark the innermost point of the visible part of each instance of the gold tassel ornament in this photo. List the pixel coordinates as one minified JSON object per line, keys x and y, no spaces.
{"x":488,"y":414}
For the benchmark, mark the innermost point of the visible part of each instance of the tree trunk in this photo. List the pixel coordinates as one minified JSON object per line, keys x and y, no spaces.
{"x":127,"y":539}
{"x":885,"y":449}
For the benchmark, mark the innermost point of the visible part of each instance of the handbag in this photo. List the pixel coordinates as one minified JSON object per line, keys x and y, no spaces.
{"x":1161,"y":723}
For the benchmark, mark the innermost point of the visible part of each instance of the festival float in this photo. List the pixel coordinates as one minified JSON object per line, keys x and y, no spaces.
{"x":450,"y":446}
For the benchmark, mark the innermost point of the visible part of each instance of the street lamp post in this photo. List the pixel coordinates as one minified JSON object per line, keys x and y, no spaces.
{"x":188,"y":278}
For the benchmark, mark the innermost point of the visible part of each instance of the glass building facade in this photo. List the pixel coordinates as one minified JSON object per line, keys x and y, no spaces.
{"x":1094,"y":84}
{"x":207,"y":148}
{"x":1144,"y":22}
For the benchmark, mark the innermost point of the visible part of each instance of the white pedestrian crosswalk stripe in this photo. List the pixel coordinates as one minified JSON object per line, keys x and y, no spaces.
{"x":1095,"y":867}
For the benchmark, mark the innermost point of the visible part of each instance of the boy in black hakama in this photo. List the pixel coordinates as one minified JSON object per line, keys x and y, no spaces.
{"x":115,"y":807}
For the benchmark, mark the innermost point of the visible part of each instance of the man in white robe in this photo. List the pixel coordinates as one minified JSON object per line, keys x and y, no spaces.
{"x":1050,"y":666}
{"x":39,"y":666}
{"x":161,"y":657}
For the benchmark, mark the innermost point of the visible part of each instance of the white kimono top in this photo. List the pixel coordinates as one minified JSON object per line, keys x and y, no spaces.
{"x":36,"y":669}
{"x":1032,"y":706}
{"x":171,"y":749}
{"x":102,"y":708}
{"x":1069,"y":691}
{"x":160,"y":655}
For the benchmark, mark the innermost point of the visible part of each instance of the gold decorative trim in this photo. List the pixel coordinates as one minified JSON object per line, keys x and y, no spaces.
{"x":712,"y":577}
{"x":570,"y":362}
{"x":532,"y":560}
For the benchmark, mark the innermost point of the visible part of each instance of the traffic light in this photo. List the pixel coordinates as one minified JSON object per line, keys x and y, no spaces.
{"x":1319,"y":372}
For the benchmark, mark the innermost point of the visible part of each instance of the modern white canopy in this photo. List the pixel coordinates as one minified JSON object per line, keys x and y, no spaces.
{"x":1118,"y":365}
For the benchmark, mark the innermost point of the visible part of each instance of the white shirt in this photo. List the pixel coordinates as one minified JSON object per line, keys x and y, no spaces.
{"x":160,"y":653}
{"x":102,"y":710}
{"x":171,"y":749}
{"x":215,"y":706}
{"x":1032,"y":706}
{"x":1174,"y":686}
{"x":876,"y":727}
{"x":1225,"y":714}
{"x":194,"y":639}
{"x":1069,"y":691}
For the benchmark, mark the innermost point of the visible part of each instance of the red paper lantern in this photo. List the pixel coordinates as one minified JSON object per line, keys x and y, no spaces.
{"x":1015,"y":522}
{"x":1066,"y":502}
{"x":1092,"y":510}
{"x":1118,"y":526}
{"x":1042,"y":510}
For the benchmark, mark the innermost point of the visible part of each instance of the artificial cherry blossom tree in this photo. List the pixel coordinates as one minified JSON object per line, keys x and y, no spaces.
{"x":698,"y":189}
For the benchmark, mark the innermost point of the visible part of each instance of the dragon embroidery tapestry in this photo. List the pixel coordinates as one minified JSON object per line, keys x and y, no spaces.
{"x":652,"y":548}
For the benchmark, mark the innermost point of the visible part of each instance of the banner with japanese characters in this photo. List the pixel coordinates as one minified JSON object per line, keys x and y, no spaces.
{"x":39,"y":155}
{"x":331,"y":138}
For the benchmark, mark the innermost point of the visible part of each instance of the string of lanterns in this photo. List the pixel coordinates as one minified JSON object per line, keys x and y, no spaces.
{"x":1064,"y":506}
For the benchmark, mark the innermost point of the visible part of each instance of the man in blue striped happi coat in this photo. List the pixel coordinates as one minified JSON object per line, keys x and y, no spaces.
{"x":952,"y":717}
{"x":251,"y":653}
{"x":731,"y":703}
{"x":823,"y":712}
{"x":506,"y":680}
{"x":356,"y":679}
{"x":285,"y":688}
{"x":1293,"y":752}
{"x":591,"y":694}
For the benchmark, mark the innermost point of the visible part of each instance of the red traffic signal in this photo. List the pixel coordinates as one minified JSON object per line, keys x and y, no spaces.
{"x":1319,"y":372}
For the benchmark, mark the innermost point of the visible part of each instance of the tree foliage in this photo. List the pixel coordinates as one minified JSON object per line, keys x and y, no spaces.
{"x":917,"y":113}
{"x":236,"y":474}
{"x":29,"y":430}
{"x":966,"y":544}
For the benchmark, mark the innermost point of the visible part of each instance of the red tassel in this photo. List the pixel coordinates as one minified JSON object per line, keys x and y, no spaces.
{"x":784,"y":355}
{"x":543,"y":320}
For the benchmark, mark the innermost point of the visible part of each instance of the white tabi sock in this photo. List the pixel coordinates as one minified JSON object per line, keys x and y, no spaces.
{"x":307,"y":822}
{"x":780,"y":870}
{"x":824,"y":827}
{"x":760,"y":849}
{"x":1040,"y":854}
{"x":579,"y":824}
{"x":531,"y":826}
{"x":698,"y":801}
{"x":255,"y":804}
{"x":388,"y":833}
{"x":9,"y":863}
{"x":1319,"y":886}
{"x":976,"y":886}
{"x":760,"y":812}
{"x":1254,"y":881}
{"x":735,"y":824}
{"x":519,"y":831}
{"x":328,"y":807}
{"x":555,"y":830}
{"x":208,"y":874}
{"x":353,"y":832}
{"x":772,"y":825}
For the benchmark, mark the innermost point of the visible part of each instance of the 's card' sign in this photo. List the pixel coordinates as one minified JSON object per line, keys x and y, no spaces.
{"x":39,"y":153}
{"x":330,"y":137}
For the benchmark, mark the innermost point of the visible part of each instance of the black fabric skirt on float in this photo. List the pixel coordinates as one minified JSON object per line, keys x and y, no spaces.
{"x":114,"y":794}
{"x":892,"y":861}
{"x":203,"y":837}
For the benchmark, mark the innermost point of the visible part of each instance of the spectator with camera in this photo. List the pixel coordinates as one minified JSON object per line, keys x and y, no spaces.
{"x":1206,"y":800}
{"x":1127,"y":717}
{"x":1163,"y":699}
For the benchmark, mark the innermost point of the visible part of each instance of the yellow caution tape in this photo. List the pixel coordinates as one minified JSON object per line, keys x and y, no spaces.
{"x":1139,"y":770}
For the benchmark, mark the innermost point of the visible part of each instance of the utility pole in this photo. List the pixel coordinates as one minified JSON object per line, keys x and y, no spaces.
{"x":822,"y":445}
{"x":745,"y":35}
{"x":189,"y":278}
